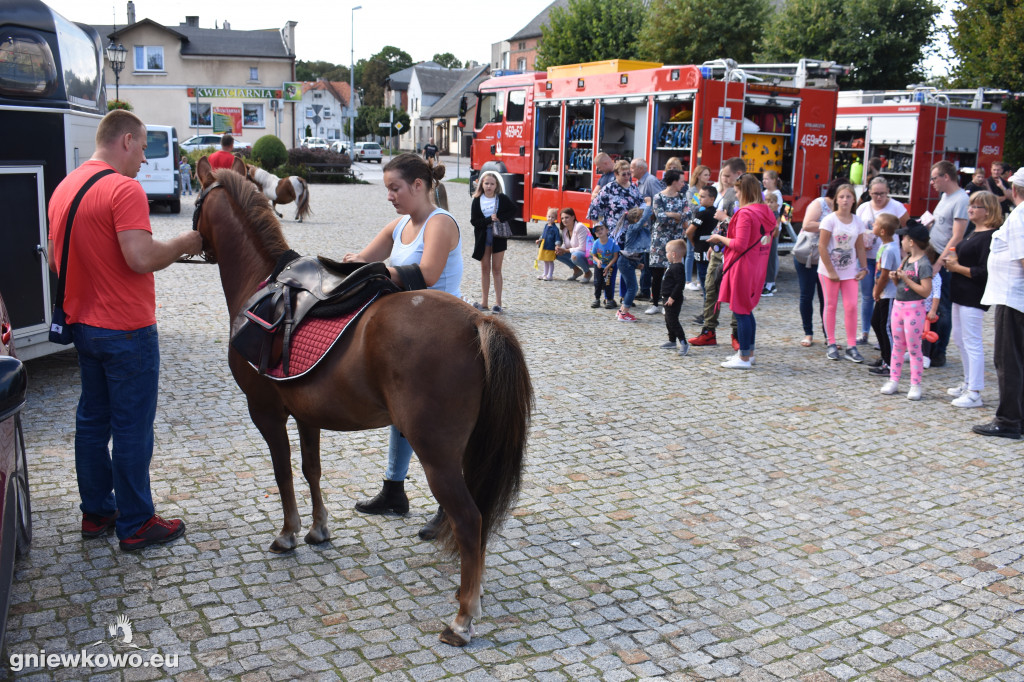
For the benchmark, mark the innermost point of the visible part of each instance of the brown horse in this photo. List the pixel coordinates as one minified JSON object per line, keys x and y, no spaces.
{"x":452,"y":380}
{"x":282,"y":190}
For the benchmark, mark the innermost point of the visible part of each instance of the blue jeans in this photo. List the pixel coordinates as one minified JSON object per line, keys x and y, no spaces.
{"x":688,"y":264}
{"x":120,"y":373}
{"x":577,"y":259}
{"x":646,"y":278}
{"x":627,"y":270}
{"x":399,"y":456}
{"x":746,"y":330}
{"x":808,"y":280}
{"x":773,"y":263}
{"x":867,"y":303}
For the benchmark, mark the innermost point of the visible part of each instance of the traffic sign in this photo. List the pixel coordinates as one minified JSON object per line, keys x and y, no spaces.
{"x":399,"y":126}
{"x":383,"y":125}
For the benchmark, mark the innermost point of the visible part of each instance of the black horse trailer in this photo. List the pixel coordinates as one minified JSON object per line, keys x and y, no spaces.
{"x":51,"y":102}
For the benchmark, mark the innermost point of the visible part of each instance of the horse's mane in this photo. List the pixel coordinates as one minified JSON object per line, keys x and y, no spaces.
{"x":259,"y":217}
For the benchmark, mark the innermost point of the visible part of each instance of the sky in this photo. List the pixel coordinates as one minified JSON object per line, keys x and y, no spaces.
{"x":422,"y":28}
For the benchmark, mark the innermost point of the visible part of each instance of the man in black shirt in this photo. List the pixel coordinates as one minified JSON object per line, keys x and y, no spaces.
{"x":430,"y":150}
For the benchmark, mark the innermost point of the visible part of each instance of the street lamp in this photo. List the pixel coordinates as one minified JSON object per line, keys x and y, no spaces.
{"x":352,"y":87}
{"x":116,"y":55}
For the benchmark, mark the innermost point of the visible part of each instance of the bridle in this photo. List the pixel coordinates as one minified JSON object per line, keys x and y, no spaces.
{"x":207,"y":258}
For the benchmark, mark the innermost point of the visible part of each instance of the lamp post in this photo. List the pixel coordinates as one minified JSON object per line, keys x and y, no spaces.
{"x":116,"y":55}
{"x":352,"y":87}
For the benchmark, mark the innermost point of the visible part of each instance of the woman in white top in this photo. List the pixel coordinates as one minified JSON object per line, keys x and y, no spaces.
{"x":878,"y":191}
{"x":807,"y":272}
{"x":841,"y":264}
{"x":429,"y":237}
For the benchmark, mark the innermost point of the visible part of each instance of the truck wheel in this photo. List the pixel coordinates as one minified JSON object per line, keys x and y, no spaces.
{"x":22,"y":502}
{"x":175,"y":205}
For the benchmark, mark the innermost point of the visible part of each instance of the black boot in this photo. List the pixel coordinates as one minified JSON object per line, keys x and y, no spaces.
{"x":429,"y":531}
{"x":390,"y":500}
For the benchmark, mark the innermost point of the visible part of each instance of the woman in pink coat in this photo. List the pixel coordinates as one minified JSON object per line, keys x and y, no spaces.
{"x":747,"y":243}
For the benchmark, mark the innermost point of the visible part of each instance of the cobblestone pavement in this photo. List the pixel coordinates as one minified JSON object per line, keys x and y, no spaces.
{"x":678,"y":520}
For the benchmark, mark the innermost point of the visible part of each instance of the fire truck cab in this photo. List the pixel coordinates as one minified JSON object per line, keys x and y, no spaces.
{"x":542,"y":131}
{"x":910,"y":130}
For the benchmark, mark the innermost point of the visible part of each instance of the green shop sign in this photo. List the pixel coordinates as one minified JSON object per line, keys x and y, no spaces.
{"x":236,"y":93}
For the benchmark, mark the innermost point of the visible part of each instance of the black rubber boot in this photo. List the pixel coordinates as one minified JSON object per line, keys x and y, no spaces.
{"x":429,"y":531}
{"x":390,"y":500}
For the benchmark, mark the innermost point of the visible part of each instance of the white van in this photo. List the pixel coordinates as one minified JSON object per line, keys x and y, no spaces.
{"x":159,"y":176}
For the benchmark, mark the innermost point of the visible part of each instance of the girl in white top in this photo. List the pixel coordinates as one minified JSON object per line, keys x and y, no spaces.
{"x":878,"y":191}
{"x":841,"y":265}
{"x":430,"y":237}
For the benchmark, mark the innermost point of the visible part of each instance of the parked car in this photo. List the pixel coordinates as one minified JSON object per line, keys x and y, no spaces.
{"x":340,"y":146}
{"x":160,"y":176}
{"x":368,"y":151}
{"x":315,"y":143}
{"x":15,"y":508}
{"x":209,"y":142}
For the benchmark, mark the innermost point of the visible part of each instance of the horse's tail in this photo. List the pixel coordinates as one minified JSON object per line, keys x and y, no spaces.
{"x":493,"y":461}
{"x":302,"y":208}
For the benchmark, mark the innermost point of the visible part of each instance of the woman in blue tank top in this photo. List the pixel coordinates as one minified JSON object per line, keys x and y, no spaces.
{"x":429,"y":237}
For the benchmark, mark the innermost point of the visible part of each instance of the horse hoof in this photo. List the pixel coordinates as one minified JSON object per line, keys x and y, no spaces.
{"x":317,"y":537}
{"x":449,"y":636}
{"x":280,"y":546}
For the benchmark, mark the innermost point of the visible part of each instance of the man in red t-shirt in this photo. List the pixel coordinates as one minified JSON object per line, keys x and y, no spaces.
{"x":225,"y":157}
{"x":110,"y":305}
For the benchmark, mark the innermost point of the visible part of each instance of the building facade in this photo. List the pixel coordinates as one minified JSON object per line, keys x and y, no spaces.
{"x":198,"y":79}
{"x":324,"y":110}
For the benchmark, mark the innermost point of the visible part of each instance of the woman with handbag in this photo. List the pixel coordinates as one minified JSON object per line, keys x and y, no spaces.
{"x":805,"y":260}
{"x":490,"y":216}
{"x":747,"y":245}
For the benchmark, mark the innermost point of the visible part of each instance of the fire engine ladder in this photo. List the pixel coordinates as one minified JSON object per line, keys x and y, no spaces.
{"x":732,"y":72}
{"x":942,"y":105}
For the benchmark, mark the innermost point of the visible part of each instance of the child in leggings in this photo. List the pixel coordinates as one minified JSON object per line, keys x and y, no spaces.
{"x":913,"y":284}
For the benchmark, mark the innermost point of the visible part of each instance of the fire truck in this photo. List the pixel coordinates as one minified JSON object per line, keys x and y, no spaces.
{"x":910,"y":130}
{"x":541,"y":131}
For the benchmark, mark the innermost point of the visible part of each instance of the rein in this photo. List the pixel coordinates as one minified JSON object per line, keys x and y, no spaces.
{"x":195,"y":226}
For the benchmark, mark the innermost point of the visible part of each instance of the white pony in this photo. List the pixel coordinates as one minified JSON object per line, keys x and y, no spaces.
{"x":282,"y":190}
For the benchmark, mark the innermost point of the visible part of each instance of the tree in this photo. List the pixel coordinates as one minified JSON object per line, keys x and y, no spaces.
{"x":447,"y":60}
{"x":395,"y":58}
{"x":883,"y":40}
{"x":591,"y":30}
{"x":371,"y":79}
{"x":269,"y":152}
{"x":309,"y":71}
{"x":369,"y":118}
{"x":695,"y":31}
{"x":985,"y":43}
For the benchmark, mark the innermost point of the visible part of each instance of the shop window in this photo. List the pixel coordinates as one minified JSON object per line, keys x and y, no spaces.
{"x":252,"y":116}
{"x":204,"y":119}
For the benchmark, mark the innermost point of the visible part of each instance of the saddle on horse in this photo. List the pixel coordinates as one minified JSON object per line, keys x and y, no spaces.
{"x":301,"y":287}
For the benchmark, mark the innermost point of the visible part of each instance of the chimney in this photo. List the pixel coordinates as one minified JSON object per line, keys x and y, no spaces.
{"x":226,"y":26}
{"x":131,"y":12}
{"x":192,"y":22}
{"x":288,"y":37}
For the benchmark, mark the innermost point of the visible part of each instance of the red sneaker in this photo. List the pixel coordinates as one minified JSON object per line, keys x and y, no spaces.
{"x":706,"y":338}
{"x":625,"y":316}
{"x":94,"y":525}
{"x":156,"y":531}
{"x":735,"y":343}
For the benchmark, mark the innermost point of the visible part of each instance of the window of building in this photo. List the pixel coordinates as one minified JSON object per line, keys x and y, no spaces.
{"x":149,"y":58}
{"x":516,"y":105}
{"x":252,"y":115}
{"x":326,"y":112}
{"x":521,"y":64}
{"x":204,"y":119}
{"x":522,"y":46}
{"x":254,"y":73}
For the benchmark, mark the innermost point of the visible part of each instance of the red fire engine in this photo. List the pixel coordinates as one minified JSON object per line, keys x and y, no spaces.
{"x":909,"y":130}
{"x":541,"y":131}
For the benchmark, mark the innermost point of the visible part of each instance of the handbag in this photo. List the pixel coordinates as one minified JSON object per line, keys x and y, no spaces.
{"x":806,"y":248}
{"x":501,"y":229}
{"x":60,"y":332}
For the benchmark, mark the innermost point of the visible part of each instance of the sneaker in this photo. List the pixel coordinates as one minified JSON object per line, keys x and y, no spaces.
{"x":478,"y":306}
{"x":668,"y":345}
{"x":862,"y":340}
{"x":767,"y":292}
{"x":705,"y":338}
{"x":735,"y":343}
{"x":653,"y":310}
{"x":684,"y":347}
{"x":576,"y":272}
{"x":156,"y":531}
{"x":957,"y":391}
{"x":497,"y":309}
{"x":625,"y":316}
{"x":877,"y":362}
{"x":587,"y":276}
{"x":890,"y":387}
{"x":94,"y":525}
{"x":596,"y":303}
{"x":692,"y":286}
{"x":928,"y":362}
{"x":832,"y":352}
{"x":611,"y":304}
{"x":914,"y":393}
{"x":994,"y":429}
{"x":882,"y":370}
{"x":698,"y":319}
{"x":736,"y":362}
{"x":752,"y":360}
{"x":853,"y":355}
{"x":968,"y":399}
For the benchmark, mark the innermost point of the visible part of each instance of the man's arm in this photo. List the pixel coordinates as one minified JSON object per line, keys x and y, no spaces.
{"x":145,"y":254}
{"x":959,"y":228}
